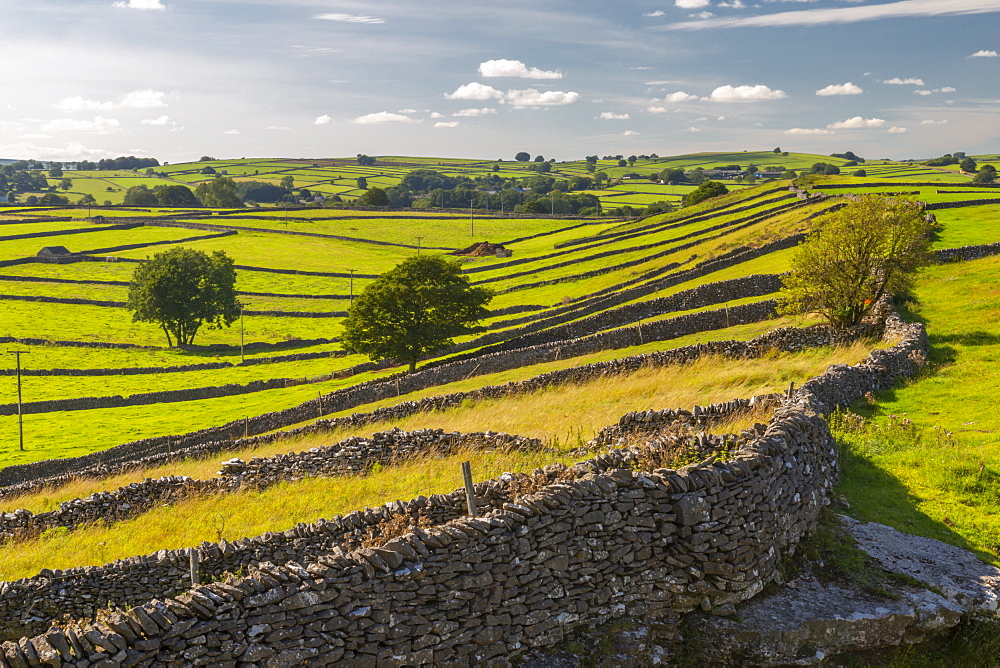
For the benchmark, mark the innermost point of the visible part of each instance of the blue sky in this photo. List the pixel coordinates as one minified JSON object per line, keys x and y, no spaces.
{"x":177,"y":79}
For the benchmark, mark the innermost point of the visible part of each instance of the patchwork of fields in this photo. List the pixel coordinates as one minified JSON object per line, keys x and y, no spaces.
{"x":581,"y":291}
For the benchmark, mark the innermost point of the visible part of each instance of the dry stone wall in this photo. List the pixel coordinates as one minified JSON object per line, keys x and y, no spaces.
{"x":610,"y":537}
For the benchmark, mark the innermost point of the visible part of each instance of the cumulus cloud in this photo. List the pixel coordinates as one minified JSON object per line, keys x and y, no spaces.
{"x":612,"y":116}
{"x":630,"y":133}
{"x":100,"y":125}
{"x":693,"y":129}
{"x":857,"y":122}
{"x":656,"y":110}
{"x":475,"y":91}
{"x":896,"y":130}
{"x":841,"y":89}
{"x":691,"y":4}
{"x":735,"y":4}
{"x":946,"y":89}
{"x":911,"y":81}
{"x":679,"y":96}
{"x":349,"y":18}
{"x":702,"y":15}
{"x":745,"y":94}
{"x":140,"y":4}
{"x":446,"y":124}
{"x":232,"y":131}
{"x":515,"y":68}
{"x":807,"y":131}
{"x":658,"y":12}
{"x":932,"y":122}
{"x":137,"y":99}
{"x":161,"y":120}
{"x":323,"y":120}
{"x":983,"y":53}
{"x":469,"y":113}
{"x":383,"y":117}
{"x":529,"y":97}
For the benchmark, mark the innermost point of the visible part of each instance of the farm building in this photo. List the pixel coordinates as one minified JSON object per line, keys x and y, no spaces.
{"x":58,"y":255}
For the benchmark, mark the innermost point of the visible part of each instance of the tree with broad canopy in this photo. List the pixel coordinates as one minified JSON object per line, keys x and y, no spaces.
{"x":182,"y":289}
{"x":413,"y":309}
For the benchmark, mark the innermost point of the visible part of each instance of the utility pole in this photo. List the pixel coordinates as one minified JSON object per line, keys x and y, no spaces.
{"x":20,"y":412}
{"x":242,"y":331}
{"x":352,"y":285}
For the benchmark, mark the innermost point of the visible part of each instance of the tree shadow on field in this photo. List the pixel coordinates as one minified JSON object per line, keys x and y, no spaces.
{"x":875,"y":495}
{"x":972,"y":339}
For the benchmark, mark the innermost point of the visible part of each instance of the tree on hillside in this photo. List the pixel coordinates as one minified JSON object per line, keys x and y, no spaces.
{"x":967,"y":165}
{"x":868,"y":249}
{"x":374,"y":197}
{"x":986,"y":174}
{"x":523,"y":156}
{"x":365,"y":160}
{"x":416,"y":308}
{"x":182,"y":289}
{"x":140,"y":196}
{"x":287,"y":182}
{"x":220,"y":193}
{"x":52,"y":199}
{"x":705,"y":191}
{"x":175,"y":195}
{"x":824,"y":168}
{"x":65,"y":184}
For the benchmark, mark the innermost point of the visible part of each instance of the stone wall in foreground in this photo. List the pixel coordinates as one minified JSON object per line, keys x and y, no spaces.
{"x":417,"y":583}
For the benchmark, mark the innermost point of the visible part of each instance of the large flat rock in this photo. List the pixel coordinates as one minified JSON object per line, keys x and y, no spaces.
{"x":809,"y":620}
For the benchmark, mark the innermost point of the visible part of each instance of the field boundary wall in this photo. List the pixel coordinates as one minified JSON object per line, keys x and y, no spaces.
{"x":614,"y":536}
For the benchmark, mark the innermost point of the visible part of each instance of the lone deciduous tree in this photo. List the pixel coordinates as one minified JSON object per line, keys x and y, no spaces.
{"x":868,"y":249}
{"x":181,"y":289}
{"x":415,"y":308}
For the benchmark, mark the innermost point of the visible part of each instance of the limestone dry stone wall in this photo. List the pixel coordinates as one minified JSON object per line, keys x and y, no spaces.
{"x":610,"y":537}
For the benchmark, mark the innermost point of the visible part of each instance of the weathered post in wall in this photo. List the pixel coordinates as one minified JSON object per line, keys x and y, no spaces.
{"x":20,"y":409}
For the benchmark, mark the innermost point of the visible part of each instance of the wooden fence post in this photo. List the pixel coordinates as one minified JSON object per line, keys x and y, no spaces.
{"x":470,"y":493}
{"x":193,"y":554}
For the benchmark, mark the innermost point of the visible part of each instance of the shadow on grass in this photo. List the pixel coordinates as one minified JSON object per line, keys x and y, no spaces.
{"x":876,"y":495}
{"x":978,"y":338}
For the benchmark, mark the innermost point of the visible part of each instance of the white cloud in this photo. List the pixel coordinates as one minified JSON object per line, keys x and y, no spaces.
{"x":656,"y":110}
{"x":140,"y":4}
{"x":72,"y":151}
{"x":735,"y":4}
{"x":161,"y":120}
{"x":896,"y":130}
{"x":612,"y":116}
{"x":679,"y":96}
{"x":349,"y":18}
{"x":446,"y":124}
{"x":745,"y":94}
{"x":414,"y":111}
{"x":529,"y":97}
{"x":838,"y":15}
{"x":841,"y":89}
{"x":857,"y":122}
{"x":470,"y":113}
{"x":721,"y":118}
{"x":932,"y":122}
{"x":983,"y":53}
{"x":100,"y":125}
{"x":630,"y":133}
{"x":807,"y":131}
{"x":658,"y":12}
{"x":905,"y":82}
{"x":693,"y":129}
{"x":515,"y":68}
{"x":137,"y":99}
{"x":922,"y":92}
{"x":435,"y":114}
{"x":946,"y":89}
{"x":233,"y":131}
{"x":323,"y":120}
{"x":143,"y":99}
{"x":383,"y":117}
{"x":702,"y":15}
{"x":277,"y":127}
{"x":475,"y":91}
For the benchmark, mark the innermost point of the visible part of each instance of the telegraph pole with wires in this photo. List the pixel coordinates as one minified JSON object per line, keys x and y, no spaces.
{"x":20,"y":411}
